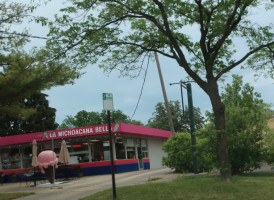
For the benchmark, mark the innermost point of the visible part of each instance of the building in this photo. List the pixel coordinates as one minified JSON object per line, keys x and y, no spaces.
{"x":135,"y":148}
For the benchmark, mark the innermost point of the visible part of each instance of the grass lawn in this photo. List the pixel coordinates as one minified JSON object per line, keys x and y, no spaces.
{"x":247,"y":187}
{"x":9,"y":196}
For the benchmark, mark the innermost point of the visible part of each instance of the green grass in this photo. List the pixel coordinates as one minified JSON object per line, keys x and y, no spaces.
{"x":247,"y":187}
{"x":9,"y":196}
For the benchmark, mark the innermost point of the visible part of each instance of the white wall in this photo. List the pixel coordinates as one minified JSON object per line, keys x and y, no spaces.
{"x":155,"y":152}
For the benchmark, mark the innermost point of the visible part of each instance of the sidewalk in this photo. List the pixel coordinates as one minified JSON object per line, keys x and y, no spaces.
{"x":88,"y":185}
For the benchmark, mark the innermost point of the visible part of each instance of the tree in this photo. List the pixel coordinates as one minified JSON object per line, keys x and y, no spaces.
{"x":84,"y":118}
{"x":125,"y":31}
{"x":180,"y":118}
{"x":24,"y":74}
{"x":180,"y":155}
{"x":42,"y":118}
{"x":246,"y":116}
{"x":246,"y":121}
{"x":116,"y":116}
{"x":269,"y":146}
{"x":81,"y":119}
{"x":13,"y":14}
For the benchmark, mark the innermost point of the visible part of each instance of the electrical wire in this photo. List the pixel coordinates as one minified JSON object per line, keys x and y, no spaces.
{"x":141,"y":88}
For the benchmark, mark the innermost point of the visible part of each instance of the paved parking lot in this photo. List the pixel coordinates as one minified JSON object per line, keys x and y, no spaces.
{"x":85,"y":186}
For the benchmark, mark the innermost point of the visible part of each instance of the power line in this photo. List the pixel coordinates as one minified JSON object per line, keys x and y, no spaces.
{"x":141,"y":88}
{"x":23,"y":35}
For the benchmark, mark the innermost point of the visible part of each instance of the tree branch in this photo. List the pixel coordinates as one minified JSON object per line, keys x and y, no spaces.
{"x":243,"y":59}
{"x":203,"y":29}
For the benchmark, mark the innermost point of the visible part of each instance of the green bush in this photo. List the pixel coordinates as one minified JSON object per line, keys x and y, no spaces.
{"x":269,"y":146}
{"x":180,"y":156}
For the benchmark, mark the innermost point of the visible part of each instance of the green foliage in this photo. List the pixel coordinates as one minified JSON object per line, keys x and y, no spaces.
{"x":126,"y":30}
{"x":246,"y":116}
{"x":135,"y":122}
{"x":116,"y":116}
{"x":13,"y":13}
{"x":246,"y":121}
{"x":180,"y":118}
{"x":84,"y":118}
{"x":180,"y":156}
{"x":23,"y":75}
{"x":121,"y":33}
{"x":268,"y":138}
{"x":81,"y":119}
{"x":41,"y":117}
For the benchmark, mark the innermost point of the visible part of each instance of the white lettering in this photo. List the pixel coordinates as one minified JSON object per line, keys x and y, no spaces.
{"x":52,"y":135}
{"x":69,"y":132}
{"x":60,"y":133}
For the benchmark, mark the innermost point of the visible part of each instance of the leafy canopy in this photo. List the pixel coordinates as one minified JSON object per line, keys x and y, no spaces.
{"x":122,"y":31}
{"x":23,"y":74}
{"x":180,"y":118}
{"x":201,"y":35}
{"x":246,"y":124}
{"x":40,"y":116}
{"x":85,"y":118}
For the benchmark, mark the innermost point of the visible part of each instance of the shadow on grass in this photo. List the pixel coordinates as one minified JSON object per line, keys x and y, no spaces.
{"x":258,"y":174}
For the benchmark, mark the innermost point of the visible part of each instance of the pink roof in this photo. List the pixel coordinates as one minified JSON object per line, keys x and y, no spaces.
{"x":84,"y":131}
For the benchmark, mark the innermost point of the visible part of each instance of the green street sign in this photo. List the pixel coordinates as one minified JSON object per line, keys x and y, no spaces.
{"x":108,"y":101}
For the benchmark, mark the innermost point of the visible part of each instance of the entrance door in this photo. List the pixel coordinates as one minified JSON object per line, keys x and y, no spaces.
{"x":140,"y":154}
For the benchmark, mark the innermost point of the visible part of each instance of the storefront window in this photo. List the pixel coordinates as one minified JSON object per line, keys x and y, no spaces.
{"x":106,"y":148}
{"x":130,"y":149}
{"x":120,"y":149}
{"x":78,"y":151}
{"x":27,"y":157}
{"x":11,"y":158}
{"x":98,"y":151}
{"x":144,"y":148}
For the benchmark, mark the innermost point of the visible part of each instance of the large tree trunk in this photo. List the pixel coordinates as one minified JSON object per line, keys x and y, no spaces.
{"x":219,"y":114}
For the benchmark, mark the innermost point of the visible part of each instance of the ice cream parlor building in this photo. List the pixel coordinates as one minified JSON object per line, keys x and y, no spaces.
{"x":135,"y":148}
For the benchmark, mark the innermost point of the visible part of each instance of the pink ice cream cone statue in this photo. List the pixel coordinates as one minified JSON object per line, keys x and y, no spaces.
{"x":47,"y":161}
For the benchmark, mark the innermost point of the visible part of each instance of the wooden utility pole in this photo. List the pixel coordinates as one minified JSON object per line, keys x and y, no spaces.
{"x":164,"y":94}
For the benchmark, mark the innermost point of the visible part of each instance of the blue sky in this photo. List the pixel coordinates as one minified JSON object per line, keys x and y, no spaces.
{"x":86,"y":93}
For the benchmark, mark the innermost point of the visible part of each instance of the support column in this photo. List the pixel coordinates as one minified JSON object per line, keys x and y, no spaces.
{"x":21,"y":158}
{"x":89,"y":152}
{"x":1,"y":159}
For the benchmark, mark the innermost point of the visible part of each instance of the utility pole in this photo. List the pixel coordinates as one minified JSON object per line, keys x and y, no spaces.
{"x":164,"y":94}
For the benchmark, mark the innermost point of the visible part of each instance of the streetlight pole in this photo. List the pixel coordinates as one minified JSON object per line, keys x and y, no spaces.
{"x":187,"y":86}
{"x":182,"y":97}
{"x":192,"y":127}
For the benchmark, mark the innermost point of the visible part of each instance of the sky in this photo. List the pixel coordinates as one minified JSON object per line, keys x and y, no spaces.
{"x":86,"y":93}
